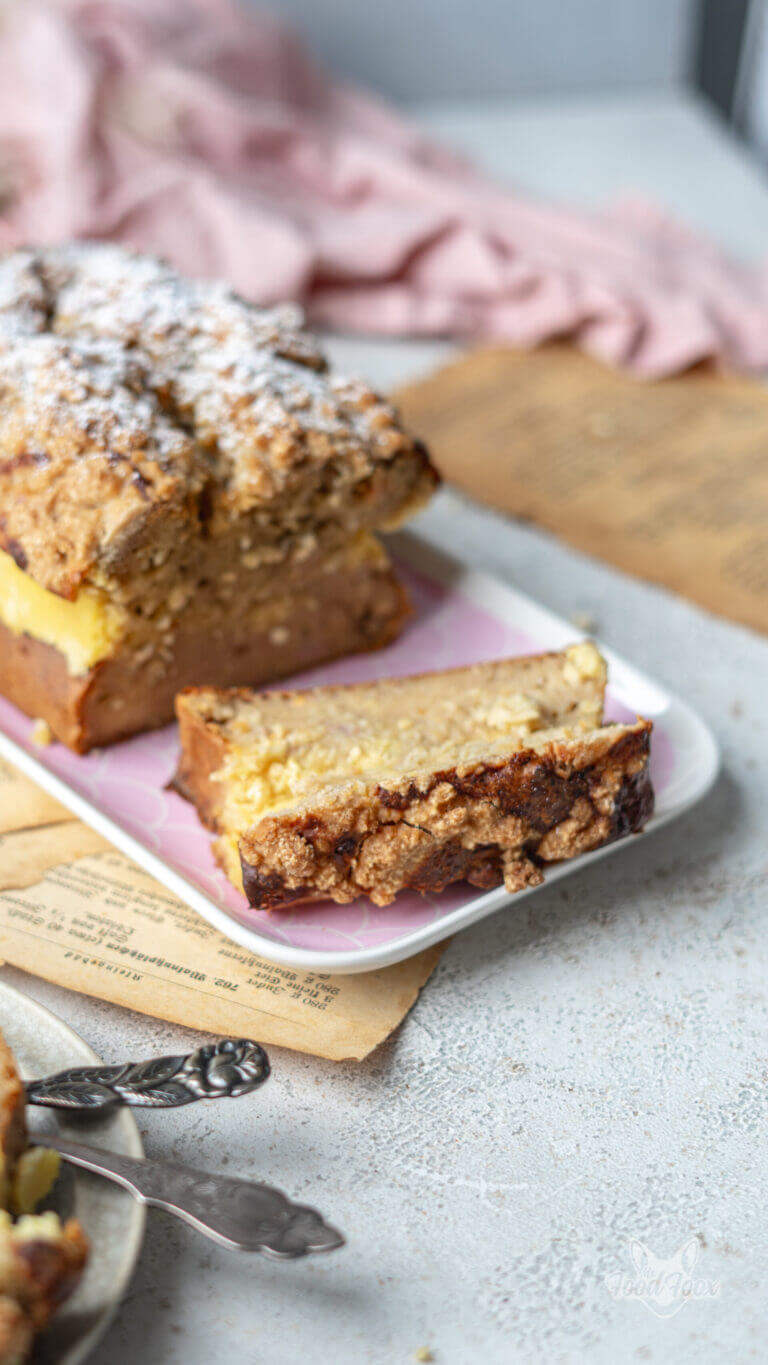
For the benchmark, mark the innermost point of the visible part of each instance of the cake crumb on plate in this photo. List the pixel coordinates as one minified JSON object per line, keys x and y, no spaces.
{"x":42,"y":734}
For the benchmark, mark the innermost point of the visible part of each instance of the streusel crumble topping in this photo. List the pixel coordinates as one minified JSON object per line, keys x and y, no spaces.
{"x":134,"y":399}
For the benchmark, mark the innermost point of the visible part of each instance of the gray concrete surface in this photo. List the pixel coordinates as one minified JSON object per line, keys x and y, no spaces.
{"x":448,"y":49}
{"x":584,"y":1073}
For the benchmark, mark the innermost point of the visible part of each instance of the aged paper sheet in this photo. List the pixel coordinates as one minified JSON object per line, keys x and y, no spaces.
{"x":75,"y":911}
{"x":668,"y":481}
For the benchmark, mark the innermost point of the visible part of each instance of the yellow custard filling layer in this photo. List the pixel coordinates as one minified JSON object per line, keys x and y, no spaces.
{"x":84,"y":630}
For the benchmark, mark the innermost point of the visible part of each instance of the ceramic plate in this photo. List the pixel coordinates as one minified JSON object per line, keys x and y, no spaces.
{"x":114,"y":1224}
{"x":461,"y":616}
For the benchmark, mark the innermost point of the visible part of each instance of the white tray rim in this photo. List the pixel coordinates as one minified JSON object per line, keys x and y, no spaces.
{"x":516,"y":607}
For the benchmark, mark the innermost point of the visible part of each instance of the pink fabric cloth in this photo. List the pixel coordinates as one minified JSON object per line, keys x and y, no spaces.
{"x":206,"y":134}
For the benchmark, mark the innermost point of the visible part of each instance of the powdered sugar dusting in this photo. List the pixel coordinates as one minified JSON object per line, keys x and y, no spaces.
{"x":23,"y":297}
{"x":102,"y":391}
{"x":237,"y":374}
{"x":110,"y":356}
{"x":242,"y":376}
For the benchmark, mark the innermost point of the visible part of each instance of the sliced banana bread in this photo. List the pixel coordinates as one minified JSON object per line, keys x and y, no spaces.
{"x":483,"y":773}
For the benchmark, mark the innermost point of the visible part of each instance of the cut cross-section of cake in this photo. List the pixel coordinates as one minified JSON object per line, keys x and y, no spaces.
{"x":41,"y":1259}
{"x":187,"y":493}
{"x":484,"y":773}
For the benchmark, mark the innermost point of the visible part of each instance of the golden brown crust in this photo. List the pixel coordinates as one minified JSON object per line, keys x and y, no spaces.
{"x":462,"y":675}
{"x":498,"y":823}
{"x":140,"y":409}
{"x":202,"y":750}
{"x":34,"y":677}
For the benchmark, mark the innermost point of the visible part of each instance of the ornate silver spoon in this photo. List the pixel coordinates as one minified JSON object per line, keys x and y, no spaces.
{"x":239,"y":1214}
{"x":223,"y":1070}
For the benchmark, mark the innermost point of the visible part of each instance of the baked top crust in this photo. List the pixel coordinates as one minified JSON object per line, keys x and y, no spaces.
{"x":137,"y":404}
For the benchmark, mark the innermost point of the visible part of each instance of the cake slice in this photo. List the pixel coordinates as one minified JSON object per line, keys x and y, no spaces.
{"x":483,"y":773}
{"x":187,"y":493}
{"x":41,"y":1259}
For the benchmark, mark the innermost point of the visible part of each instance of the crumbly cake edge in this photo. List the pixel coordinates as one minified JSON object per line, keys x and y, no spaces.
{"x":421,"y":839}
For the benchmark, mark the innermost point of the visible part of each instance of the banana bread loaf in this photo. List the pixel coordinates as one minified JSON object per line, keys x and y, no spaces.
{"x":484,"y":773}
{"x":182,"y":481}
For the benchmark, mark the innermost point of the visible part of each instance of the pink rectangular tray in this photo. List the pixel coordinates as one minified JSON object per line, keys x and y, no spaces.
{"x":460,"y":616}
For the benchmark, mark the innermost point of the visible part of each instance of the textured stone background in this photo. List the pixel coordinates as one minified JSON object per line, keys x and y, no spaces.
{"x":589,"y":1068}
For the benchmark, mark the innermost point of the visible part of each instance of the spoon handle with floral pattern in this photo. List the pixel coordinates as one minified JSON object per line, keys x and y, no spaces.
{"x":223,"y":1070}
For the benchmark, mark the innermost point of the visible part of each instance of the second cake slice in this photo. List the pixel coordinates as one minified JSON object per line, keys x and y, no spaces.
{"x":483,"y":773}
